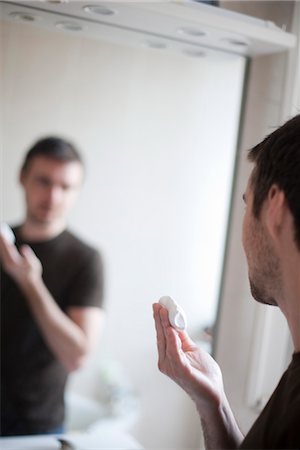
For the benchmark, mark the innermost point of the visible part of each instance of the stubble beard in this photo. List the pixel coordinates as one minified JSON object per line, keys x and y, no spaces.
{"x":265,"y":277}
{"x":260,"y":296}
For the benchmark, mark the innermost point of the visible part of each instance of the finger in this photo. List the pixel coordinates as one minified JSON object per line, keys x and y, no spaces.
{"x":160,"y":335}
{"x":187,"y":343}
{"x":173,"y":345}
{"x":4,"y":239}
{"x":182,"y":337}
{"x":170,"y":333}
{"x":9,"y":253}
{"x":164,"y":316}
{"x":27,"y":252}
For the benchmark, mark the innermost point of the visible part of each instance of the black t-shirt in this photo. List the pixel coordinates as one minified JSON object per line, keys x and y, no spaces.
{"x":32,"y":379}
{"x":278,"y":426}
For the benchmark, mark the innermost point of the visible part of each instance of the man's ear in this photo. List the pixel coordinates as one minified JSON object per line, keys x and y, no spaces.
{"x":276,"y":207}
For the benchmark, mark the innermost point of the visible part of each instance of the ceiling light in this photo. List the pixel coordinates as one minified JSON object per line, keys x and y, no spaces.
{"x":189,"y":31}
{"x":70,"y":26}
{"x":235,"y":41}
{"x":155,"y":44}
{"x":24,"y":16}
{"x":194,"y":52}
{"x":100,"y":9}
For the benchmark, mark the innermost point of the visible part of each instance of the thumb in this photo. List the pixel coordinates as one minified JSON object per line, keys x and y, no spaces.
{"x":31,"y":259}
{"x":27,"y":252}
{"x":187,"y":342}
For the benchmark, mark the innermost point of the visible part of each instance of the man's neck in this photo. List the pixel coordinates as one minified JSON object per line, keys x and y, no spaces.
{"x":34,"y":231}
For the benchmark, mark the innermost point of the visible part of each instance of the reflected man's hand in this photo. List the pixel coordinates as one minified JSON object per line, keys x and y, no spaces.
{"x":23,"y":266}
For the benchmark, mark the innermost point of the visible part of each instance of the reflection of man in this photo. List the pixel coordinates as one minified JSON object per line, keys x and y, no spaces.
{"x":51,"y":294}
{"x":271,"y":239}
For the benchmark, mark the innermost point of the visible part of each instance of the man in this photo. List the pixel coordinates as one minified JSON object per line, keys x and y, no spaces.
{"x":271,"y":240}
{"x":51,"y":294}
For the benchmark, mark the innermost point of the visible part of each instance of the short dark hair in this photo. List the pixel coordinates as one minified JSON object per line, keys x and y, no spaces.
{"x":277,"y":161}
{"x":52,"y":147}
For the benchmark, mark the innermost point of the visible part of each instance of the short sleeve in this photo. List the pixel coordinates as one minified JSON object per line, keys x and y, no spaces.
{"x":87,"y":286}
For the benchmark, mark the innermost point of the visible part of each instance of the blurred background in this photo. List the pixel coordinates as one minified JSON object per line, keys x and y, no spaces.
{"x":163,"y":124}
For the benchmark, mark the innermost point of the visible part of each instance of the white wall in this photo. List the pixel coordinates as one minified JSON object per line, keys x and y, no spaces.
{"x":158,"y":133}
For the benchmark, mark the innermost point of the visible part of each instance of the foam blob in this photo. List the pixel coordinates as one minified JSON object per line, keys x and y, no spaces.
{"x":177,"y":316}
{"x":7,"y":233}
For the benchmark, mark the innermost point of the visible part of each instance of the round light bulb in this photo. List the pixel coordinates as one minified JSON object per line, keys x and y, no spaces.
{"x":99,"y":9}
{"x":70,"y":26}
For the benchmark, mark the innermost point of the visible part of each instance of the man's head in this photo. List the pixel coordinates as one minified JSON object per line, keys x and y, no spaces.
{"x":273,"y":188}
{"x":53,"y":148}
{"x":51,"y":176}
{"x":277,"y":161}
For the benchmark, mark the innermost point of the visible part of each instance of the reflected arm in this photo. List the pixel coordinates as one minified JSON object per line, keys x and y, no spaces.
{"x":69,"y":335}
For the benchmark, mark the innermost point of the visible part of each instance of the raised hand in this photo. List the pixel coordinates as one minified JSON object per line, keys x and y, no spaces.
{"x":23,"y":266}
{"x":189,"y":366}
{"x":200,"y":376}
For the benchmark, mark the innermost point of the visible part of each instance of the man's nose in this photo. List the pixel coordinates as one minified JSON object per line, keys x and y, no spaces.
{"x":55,"y":194}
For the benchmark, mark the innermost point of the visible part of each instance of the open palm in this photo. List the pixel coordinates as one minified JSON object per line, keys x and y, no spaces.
{"x":190,"y":367}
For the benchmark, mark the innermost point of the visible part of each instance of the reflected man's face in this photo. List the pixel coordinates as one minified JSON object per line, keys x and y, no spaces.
{"x":50,"y":187}
{"x":263,"y":263}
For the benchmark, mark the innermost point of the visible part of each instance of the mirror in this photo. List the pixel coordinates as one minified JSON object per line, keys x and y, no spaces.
{"x":158,"y":129}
